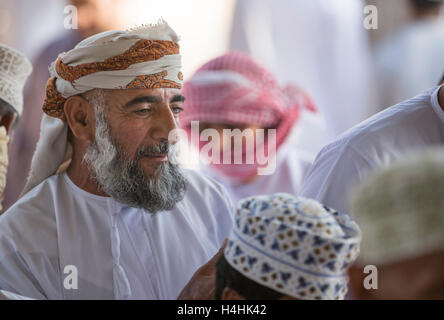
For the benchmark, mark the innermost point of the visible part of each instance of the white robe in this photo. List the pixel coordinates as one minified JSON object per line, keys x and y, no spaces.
{"x":118,"y":251}
{"x":375,"y":143}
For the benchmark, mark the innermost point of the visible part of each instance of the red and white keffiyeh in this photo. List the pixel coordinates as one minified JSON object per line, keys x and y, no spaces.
{"x":234,"y":89}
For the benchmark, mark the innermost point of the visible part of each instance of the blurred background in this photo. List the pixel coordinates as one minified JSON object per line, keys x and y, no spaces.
{"x":321,"y":46}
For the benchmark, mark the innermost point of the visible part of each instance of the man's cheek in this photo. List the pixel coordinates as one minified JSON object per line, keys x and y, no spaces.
{"x":127,"y":145}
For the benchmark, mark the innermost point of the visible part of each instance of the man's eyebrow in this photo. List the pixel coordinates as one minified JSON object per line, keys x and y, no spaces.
{"x":149,"y":99}
{"x":177,"y":98}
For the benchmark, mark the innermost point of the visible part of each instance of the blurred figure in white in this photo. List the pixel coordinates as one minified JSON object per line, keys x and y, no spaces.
{"x":412,"y":59}
{"x":399,"y":210}
{"x":320,"y":45}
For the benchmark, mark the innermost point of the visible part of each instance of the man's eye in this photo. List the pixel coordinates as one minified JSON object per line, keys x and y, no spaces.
{"x":176,"y":110}
{"x":142,"y":111}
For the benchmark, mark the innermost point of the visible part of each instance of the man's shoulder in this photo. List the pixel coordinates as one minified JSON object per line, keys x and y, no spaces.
{"x":393,"y":122}
{"x":38,"y":195}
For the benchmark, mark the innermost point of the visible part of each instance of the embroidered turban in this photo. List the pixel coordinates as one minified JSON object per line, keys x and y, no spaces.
{"x":143,"y":57}
{"x":400,"y":209}
{"x":295,"y":246}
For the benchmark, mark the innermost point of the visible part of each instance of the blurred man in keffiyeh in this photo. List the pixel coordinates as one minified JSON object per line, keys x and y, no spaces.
{"x":284,"y":247}
{"x":106,"y":204}
{"x":233,"y":92}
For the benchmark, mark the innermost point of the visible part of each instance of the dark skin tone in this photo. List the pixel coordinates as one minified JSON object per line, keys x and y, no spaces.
{"x":136,"y":118}
{"x":7,"y":121}
{"x":413,"y":279}
{"x":202,"y":285}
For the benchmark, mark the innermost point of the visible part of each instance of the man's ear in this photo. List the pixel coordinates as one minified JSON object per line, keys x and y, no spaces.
{"x":80,"y":117}
{"x":230,"y":294}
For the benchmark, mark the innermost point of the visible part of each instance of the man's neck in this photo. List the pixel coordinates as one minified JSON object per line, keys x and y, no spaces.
{"x":81,"y":176}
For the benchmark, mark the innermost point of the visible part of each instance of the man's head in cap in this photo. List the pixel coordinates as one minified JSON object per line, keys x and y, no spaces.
{"x":15,"y":69}
{"x":119,"y":94}
{"x":400,"y":211}
{"x":283,"y":247}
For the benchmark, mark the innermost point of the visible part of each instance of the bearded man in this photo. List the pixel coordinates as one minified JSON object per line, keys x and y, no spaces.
{"x":123,"y":221}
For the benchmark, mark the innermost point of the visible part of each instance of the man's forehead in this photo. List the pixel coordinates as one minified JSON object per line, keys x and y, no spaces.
{"x":129,"y":94}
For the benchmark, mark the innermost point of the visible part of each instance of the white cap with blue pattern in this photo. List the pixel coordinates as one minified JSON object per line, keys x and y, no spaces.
{"x":293,"y":245}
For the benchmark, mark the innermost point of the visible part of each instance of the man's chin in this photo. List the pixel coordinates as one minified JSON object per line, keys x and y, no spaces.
{"x":150,"y":167}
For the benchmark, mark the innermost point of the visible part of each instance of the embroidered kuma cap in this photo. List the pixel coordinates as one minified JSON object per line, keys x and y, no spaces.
{"x":15,"y":69}
{"x":293,"y":245}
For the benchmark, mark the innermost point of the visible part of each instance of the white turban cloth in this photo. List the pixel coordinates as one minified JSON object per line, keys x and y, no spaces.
{"x":142,"y":57}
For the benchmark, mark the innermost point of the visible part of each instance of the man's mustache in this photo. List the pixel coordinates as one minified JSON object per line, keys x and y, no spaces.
{"x":154,"y":150}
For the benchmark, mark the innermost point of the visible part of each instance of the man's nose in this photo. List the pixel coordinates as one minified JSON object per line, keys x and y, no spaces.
{"x":163,"y":125}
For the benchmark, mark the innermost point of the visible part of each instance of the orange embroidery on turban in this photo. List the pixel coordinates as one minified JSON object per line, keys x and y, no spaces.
{"x":142,"y":51}
{"x":53,"y":104}
{"x":152,"y":81}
